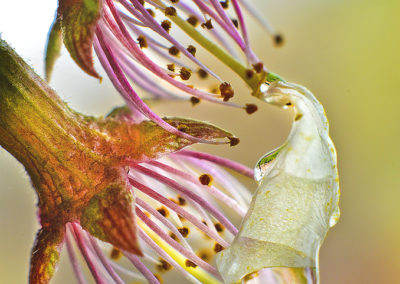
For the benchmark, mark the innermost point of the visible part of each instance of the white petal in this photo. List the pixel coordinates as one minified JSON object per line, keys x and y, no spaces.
{"x":297,"y":198}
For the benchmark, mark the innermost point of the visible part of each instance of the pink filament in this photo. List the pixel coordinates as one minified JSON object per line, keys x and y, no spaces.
{"x":142,"y":268}
{"x":164,"y":255}
{"x":196,"y":198}
{"x":219,"y":195}
{"x":72,"y":256}
{"x":163,"y":220}
{"x":219,"y":161}
{"x":164,"y":236}
{"x":126,"y":39}
{"x":85,"y":252}
{"x":118,"y":76}
{"x":105,"y":261}
{"x":179,"y":210}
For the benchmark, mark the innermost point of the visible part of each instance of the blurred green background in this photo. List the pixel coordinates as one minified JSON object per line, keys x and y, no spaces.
{"x":345,"y":52}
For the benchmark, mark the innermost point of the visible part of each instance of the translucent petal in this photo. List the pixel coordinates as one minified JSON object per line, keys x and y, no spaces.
{"x":297,"y":198}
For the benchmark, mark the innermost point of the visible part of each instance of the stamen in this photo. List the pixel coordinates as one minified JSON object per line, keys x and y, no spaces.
{"x":142,"y":269}
{"x":124,"y":86}
{"x":105,"y":261}
{"x":205,"y":255}
{"x":171,"y":67}
{"x":151,"y":12}
{"x":205,"y":179}
{"x":259,"y":17}
{"x":128,"y":272}
{"x":146,"y":83}
{"x":148,"y":36}
{"x":278,"y":40}
{"x":184,"y":231}
{"x":189,"y":263}
{"x":173,"y":50}
{"x":173,"y":206}
{"x":193,"y":20}
{"x":192,"y":49}
{"x":115,"y":254}
{"x":164,"y":265}
{"x":219,"y":227}
{"x":163,"y":211}
{"x":147,"y":62}
{"x":235,"y":23}
{"x":85,"y":252}
{"x":251,"y":108}
{"x":170,"y":11}
{"x":227,"y":27}
{"x":181,"y":201}
{"x":165,"y":222}
{"x":131,"y":20}
{"x":215,"y":33}
{"x":224,"y":4}
{"x":197,"y":206}
{"x":258,"y":67}
{"x":166,"y":25}
{"x":250,"y":57}
{"x":234,"y":141}
{"x":186,"y":192}
{"x":142,"y":41}
{"x":174,"y":237}
{"x":207,"y":25}
{"x":72,"y":256}
{"x":228,"y":182}
{"x":218,"y":194}
{"x":194,"y":101}
{"x":185,"y":73}
{"x":175,"y":259}
{"x":163,"y":33}
{"x":226,"y":91}
{"x":154,"y":4}
{"x":218,"y":247}
{"x":214,"y":49}
{"x":202,"y":74}
{"x":163,"y":237}
{"x":219,"y":161}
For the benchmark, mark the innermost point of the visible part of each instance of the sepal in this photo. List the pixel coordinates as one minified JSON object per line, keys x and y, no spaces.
{"x":109,"y":217}
{"x":53,"y":47}
{"x":78,"y":22}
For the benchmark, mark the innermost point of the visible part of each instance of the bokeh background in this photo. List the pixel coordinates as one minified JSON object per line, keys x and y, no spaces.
{"x":346,"y":52}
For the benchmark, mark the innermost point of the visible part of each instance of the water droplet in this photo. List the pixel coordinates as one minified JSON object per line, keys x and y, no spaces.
{"x":264,"y":162}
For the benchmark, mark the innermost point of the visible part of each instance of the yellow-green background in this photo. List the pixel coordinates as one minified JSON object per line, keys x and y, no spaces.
{"x":346,"y":52}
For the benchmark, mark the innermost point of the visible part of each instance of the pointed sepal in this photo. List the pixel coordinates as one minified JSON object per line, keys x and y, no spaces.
{"x":109,"y":217}
{"x":78,"y":22}
{"x":138,"y":142}
{"x":156,"y":141}
{"x":46,"y":254}
{"x":198,"y":129}
{"x":53,"y":47}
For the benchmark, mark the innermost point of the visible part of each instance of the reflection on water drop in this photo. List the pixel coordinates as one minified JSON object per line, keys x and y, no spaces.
{"x":264,"y":88}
